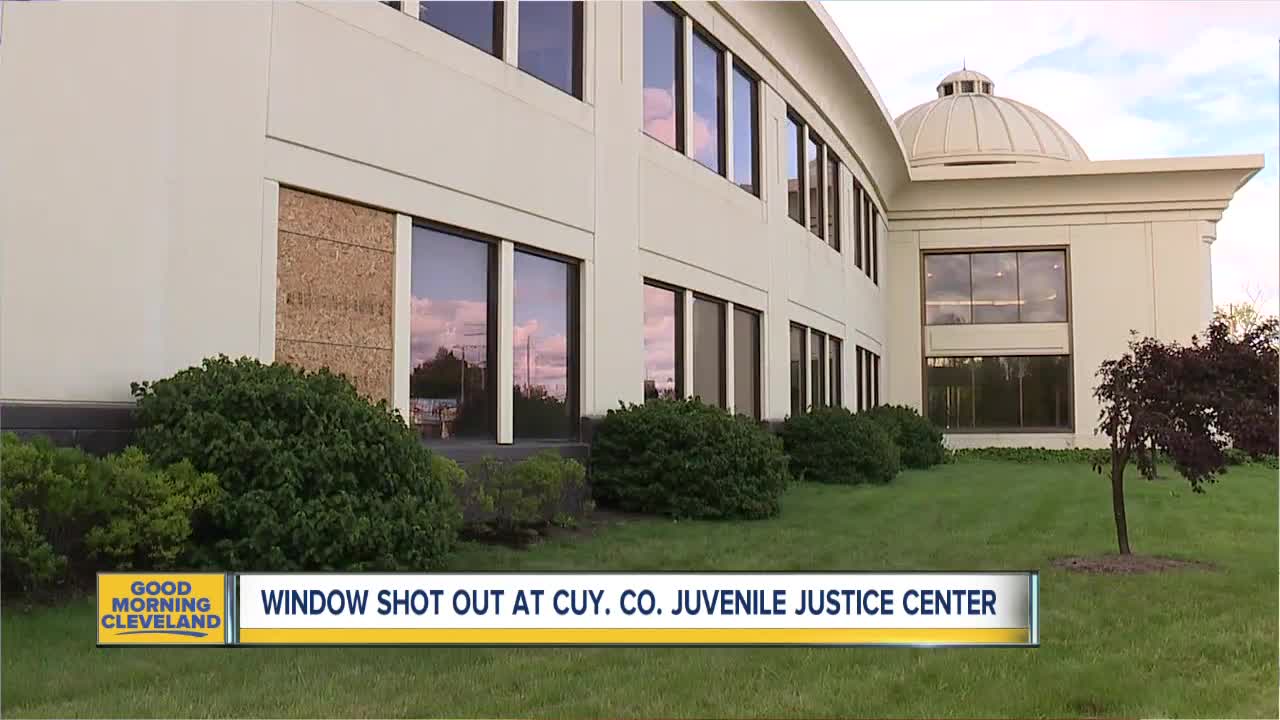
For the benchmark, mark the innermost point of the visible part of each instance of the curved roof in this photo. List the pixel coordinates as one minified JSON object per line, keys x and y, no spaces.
{"x":969,"y":125}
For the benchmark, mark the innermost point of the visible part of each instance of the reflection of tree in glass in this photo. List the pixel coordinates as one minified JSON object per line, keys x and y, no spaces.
{"x":536,"y":413}
{"x":446,"y":376}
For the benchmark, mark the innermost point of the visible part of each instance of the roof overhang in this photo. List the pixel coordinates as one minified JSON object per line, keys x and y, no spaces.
{"x":1204,"y":185}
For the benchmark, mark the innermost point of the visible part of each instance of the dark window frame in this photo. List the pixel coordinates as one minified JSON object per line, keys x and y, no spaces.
{"x":798,"y":142}
{"x":833,"y":200}
{"x":678,"y":88}
{"x":856,"y":238}
{"x":680,"y":320}
{"x":1017,"y":251}
{"x":835,"y":370}
{"x":803,"y":380}
{"x":579,"y":43}
{"x":754,"y":79}
{"x":875,"y":245}
{"x":573,"y":339}
{"x":499,"y":20}
{"x":722,"y":104}
{"x":724,"y":350}
{"x":757,"y":410}
{"x":819,"y":185}
{"x":818,"y":340}
{"x":858,"y":378}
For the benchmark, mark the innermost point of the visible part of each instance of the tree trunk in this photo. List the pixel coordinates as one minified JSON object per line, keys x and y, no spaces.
{"x":1119,"y":459}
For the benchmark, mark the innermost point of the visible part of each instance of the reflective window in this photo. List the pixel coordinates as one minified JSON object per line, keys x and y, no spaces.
{"x":995,"y":287}
{"x":663,"y":340}
{"x":476,"y":23}
{"x":1042,"y":286}
{"x":393,"y":4}
{"x":833,"y":201}
{"x":856,"y":235}
{"x":545,"y":353}
{"x":814,"y":184}
{"x":946,"y":289}
{"x":818,"y":369}
{"x":450,"y":353}
{"x":708,"y":104}
{"x":798,"y":374}
{"x":795,"y":182}
{"x":663,"y":102}
{"x":746,"y":167}
{"x":834,"y":373}
{"x":708,"y":351}
{"x":746,"y":362}
{"x":551,"y":43}
{"x":994,"y":393}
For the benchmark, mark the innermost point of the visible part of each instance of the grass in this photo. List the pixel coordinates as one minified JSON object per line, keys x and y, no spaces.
{"x":1193,"y":643}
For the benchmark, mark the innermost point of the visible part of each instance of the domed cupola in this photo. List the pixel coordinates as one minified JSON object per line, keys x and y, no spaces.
{"x":968,"y":124}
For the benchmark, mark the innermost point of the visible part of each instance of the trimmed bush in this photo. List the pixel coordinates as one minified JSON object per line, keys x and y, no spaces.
{"x":919,"y":441}
{"x":316,"y":477}
{"x":833,"y":445}
{"x":684,"y":459}
{"x":519,"y":499}
{"x":66,"y":514}
{"x":1034,"y":455}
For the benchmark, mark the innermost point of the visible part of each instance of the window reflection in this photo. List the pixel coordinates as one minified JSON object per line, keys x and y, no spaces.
{"x":795,"y":183}
{"x":798,"y":375}
{"x":746,"y":362}
{"x":544,"y":353}
{"x":450,"y":348}
{"x":994,"y":393}
{"x":995,"y":287}
{"x":1042,"y":285}
{"x":476,"y":23}
{"x":745,"y":130}
{"x":663,"y":104}
{"x":708,"y":104}
{"x":663,"y":333}
{"x":814,"y":185}
{"x":551,"y":43}
{"x":946,"y":289}
{"x":833,"y":201}
{"x":834,"y":373}
{"x":708,"y":351}
{"x":818,"y":369}
{"x":855,"y":235}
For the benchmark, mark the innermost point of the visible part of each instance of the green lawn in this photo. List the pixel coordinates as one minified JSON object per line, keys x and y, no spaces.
{"x":1197,"y":643}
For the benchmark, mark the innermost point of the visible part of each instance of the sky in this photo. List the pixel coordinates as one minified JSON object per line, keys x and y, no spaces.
{"x":1126,"y":79}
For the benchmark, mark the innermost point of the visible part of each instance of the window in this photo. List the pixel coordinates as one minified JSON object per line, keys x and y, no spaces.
{"x":986,"y":88}
{"x":708,"y":104}
{"x":475,"y":23}
{"x":858,"y":376}
{"x":995,"y":287}
{"x":708,"y":351}
{"x":818,"y":369}
{"x":798,"y":376}
{"x":795,"y":180}
{"x":875,"y":380}
{"x":746,"y":362}
{"x":746,"y":130}
{"x":551,"y":43}
{"x":966,"y":86}
{"x":867,"y":372}
{"x":452,"y":349}
{"x":1042,"y":286}
{"x":948,"y":89}
{"x":813,"y":184}
{"x":544,"y":357}
{"x":833,"y":201}
{"x":393,"y":4}
{"x":663,"y":343}
{"x":663,"y":102}
{"x":999,"y":393}
{"x":857,"y":225}
{"x":835,"y":374}
{"x":874,"y":242}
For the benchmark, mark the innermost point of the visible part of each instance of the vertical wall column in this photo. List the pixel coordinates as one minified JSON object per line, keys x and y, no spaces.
{"x":267,"y":274}
{"x":728,"y":358}
{"x":504,"y":377}
{"x":686,"y":354}
{"x":401,"y":310}
{"x":511,"y":33}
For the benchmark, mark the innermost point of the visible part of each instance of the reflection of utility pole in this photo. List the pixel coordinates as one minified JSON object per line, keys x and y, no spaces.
{"x":477,"y":329}
{"x":527,"y":382}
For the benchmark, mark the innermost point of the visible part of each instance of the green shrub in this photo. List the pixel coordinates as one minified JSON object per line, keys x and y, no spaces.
{"x":684,"y":459}
{"x":919,"y":441}
{"x":833,"y":445}
{"x":520,"y":498}
{"x":66,"y":514}
{"x":1035,"y":455}
{"x":316,"y":477}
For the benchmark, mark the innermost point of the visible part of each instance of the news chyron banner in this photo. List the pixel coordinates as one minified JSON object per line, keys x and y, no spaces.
{"x":573,"y":609}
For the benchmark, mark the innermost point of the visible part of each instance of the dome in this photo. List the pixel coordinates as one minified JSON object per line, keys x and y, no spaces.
{"x":969,"y":125}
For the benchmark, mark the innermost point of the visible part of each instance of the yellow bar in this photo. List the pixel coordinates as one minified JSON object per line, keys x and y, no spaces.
{"x":635,"y":636}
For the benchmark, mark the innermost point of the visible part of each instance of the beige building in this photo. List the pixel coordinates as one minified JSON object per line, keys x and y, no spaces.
{"x":506,"y":218}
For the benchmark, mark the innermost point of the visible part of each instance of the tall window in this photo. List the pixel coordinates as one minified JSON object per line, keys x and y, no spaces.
{"x":995,"y":287}
{"x":746,"y":362}
{"x":875,"y":245}
{"x":798,"y":374}
{"x":708,"y":351}
{"x":663,"y":343}
{"x":663,"y":103}
{"x":708,"y":104}
{"x":451,"y":336}
{"x":857,"y":233}
{"x":867,"y":376}
{"x":833,"y":200}
{"x":999,"y":393}
{"x":835,"y":373}
{"x":817,"y":369}
{"x":746,"y":130}
{"x":544,"y":400}
{"x":476,"y":23}
{"x":814,"y":185}
{"x":795,"y":179}
{"x":551,"y":43}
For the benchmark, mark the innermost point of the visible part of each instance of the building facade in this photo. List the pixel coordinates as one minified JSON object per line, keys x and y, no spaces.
{"x":506,"y":218}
